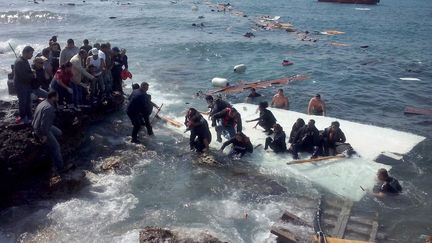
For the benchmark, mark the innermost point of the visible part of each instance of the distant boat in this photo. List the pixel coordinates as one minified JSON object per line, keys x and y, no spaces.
{"x":352,"y":1}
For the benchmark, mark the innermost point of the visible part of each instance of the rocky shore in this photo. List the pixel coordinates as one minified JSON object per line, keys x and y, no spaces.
{"x":157,"y":235}
{"x":24,"y":165}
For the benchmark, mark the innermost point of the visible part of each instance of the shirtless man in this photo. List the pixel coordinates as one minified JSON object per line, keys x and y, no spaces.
{"x":316,"y":106}
{"x":280,"y":100}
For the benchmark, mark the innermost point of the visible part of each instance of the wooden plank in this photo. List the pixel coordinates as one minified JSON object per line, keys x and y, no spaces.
{"x":374,"y":232}
{"x":337,"y":240}
{"x":284,"y":235}
{"x":316,"y":159}
{"x":289,"y":217}
{"x":417,"y":111}
{"x":342,"y":222}
{"x":171,"y":121}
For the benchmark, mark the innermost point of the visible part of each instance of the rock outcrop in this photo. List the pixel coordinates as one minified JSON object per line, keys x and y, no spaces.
{"x":157,"y":235}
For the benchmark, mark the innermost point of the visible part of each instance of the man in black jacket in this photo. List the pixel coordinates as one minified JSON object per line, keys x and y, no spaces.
{"x":277,"y":143}
{"x":230,"y":121}
{"x":307,"y":140}
{"x":332,"y":137}
{"x":140,"y":107}
{"x":266,"y":119}
{"x":389,"y":186}
{"x":297,"y":126}
{"x":241,"y":145}
{"x":200,"y":137}
{"x":23,"y":76}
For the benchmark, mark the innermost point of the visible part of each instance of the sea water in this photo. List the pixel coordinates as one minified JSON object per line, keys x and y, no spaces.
{"x":163,"y":187}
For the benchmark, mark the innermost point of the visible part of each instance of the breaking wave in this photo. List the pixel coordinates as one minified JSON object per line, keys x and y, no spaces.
{"x":24,"y":17}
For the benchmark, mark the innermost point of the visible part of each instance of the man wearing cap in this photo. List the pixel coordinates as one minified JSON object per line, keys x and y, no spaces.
{"x":23,"y":76}
{"x":68,"y":52}
{"x":78,"y":63}
{"x":98,"y":64}
{"x":316,"y":106}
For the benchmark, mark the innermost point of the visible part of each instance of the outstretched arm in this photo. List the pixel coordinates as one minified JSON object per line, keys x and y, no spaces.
{"x":309,"y":109}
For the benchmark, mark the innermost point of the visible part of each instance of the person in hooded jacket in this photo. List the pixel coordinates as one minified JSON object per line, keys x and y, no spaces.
{"x":307,"y":140}
{"x":200,"y":135}
{"x":277,"y":143}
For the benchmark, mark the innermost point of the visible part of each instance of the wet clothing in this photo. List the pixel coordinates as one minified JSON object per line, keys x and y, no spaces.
{"x":307,"y":140}
{"x":228,"y":122}
{"x":55,"y":60}
{"x":239,"y":148}
{"x":67,"y":53}
{"x":78,"y":69}
{"x":266,"y":120}
{"x":331,"y":139}
{"x":65,"y":78}
{"x":139,"y":108}
{"x":43,"y":127}
{"x":391,"y":186}
{"x":218,"y":106}
{"x":254,"y":95}
{"x":23,"y":76}
{"x":116,"y":72}
{"x":41,"y":80}
{"x":199,"y":132}
{"x":125,"y":62}
{"x":277,"y":143}
{"x":294,"y":131}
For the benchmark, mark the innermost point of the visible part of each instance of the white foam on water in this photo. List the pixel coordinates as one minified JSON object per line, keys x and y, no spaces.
{"x":362,"y":9}
{"x":342,"y":177}
{"x":410,"y":79}
{"x":89,"y":217}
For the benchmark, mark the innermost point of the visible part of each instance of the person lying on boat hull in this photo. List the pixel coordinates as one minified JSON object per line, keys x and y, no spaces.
{"x":389,"y":186}
{"x":200,"y":137}
{"x":229,"y":120}
{"x":306,"y":140}
{"x":277,"y":143}
{"x":266,"y":119}
{"x":241,"y":145}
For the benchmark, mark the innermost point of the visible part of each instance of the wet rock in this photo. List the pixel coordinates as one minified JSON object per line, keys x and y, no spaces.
{"x":157,"y":235}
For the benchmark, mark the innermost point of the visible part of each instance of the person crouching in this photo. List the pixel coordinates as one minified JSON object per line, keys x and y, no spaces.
{"x":241,"y":145}
{"x":200,"y":137}
{"x":277,"y":143}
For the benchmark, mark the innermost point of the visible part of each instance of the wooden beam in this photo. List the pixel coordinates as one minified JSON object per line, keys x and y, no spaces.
{"x":289,"y":217}
{"x":316,"y":159}
{"x":285,"y":236}
{"x":374,"y":232}
{"x":342,"y":222}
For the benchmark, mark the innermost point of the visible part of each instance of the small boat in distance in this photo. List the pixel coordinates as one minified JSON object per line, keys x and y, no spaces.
{"x":352,"y":1}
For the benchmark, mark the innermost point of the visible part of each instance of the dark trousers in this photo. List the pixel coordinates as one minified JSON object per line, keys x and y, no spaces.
{"x":296,"y":148}
{"x":24,"y":101}
{"x":266,"y":125}
{"x":229,"y":129}
{"x":117,"y":81}
{"x":53,"y":147}
{"x":77,"y":95}
{"x":136,"y":120}
{"x":274,"y":147}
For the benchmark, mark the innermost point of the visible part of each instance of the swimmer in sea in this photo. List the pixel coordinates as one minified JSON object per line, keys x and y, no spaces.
{"x":280,"y":100}
{"x":316,"y":106}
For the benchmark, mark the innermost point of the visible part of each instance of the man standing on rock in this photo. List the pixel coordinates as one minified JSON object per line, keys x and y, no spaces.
{"x":23,"y":76}
{"x":45,"y":130}
{"x":140,"y":107}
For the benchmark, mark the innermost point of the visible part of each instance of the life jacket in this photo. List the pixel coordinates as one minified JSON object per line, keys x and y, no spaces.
{"x":125,"y":74}
{"x":228,"y":117}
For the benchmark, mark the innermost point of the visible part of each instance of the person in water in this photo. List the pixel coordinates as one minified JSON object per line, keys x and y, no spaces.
{"x":241,"y":145}
{"x":389,"y":185}
{"x":316,"y":106}
{"x":266,"y":119}
{"x":253,"y":95}
{"x":297,"y":126}
{"x":277,"y":143}
{"x":332,"y":137}
{"x":306,"y":140}
{"x":231,"y":122}
{"x":200,"y":137}
{"x":140,"y":107}
{"x":280,"y":100}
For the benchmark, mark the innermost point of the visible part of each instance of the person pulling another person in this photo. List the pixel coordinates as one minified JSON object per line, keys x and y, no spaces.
{"x":200,"y":137}
{"x":140,"y":108}
{"x":230,"y":121}
{"x":266,"y":119}
{"x":277,"y":143}
{"x":316,"y":106}
{"x":241,"y":145}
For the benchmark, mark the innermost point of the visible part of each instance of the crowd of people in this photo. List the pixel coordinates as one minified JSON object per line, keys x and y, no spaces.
{"x":80,"y":76}
{"x":71,"y":78}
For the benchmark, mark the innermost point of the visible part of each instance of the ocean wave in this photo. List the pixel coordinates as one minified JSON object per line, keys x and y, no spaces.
{"x":24,"y":17}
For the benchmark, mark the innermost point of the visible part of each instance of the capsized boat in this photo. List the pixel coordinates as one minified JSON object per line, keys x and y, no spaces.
{"x":352,"y":1}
